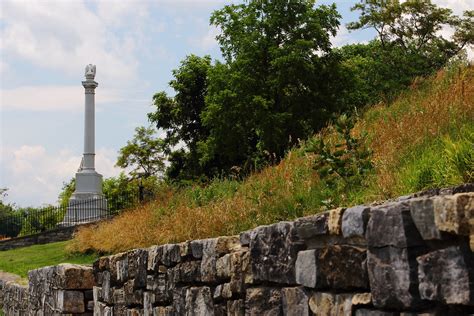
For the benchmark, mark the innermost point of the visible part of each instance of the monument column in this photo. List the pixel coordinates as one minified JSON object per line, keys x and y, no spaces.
{"x":87,"y":202}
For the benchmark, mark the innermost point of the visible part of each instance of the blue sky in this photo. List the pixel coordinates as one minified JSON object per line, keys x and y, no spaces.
{"x":44,"y":47}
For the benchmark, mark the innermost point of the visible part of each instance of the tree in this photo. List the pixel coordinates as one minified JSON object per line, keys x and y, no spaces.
{"x":144,"y":154}
{"x":409,"y":42}
{"x":273,"y":88}
{"x":180,"y":116}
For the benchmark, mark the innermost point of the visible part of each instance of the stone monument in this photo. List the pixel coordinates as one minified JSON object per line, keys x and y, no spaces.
{"x":87,"y":203}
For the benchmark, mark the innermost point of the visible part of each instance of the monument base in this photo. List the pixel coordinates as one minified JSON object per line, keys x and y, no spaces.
{"x":87,"y":204}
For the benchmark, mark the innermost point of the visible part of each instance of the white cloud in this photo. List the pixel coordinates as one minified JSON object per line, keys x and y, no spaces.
{"x":206,"y":41}
{"x":34,"y":175}
{"x":51,"y":98}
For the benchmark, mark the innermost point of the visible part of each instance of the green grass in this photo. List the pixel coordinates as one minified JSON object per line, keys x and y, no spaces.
{"x":20,"y":261}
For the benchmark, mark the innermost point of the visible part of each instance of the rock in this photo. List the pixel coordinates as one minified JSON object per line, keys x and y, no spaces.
{"x":337,"y":267}
{"x":444,"y":276}
{"x":70,"y":302}
{"x":222,"y":291}
{"x":155,"y":254}
{"x":73,"y":277}
{"x":322,"y":304}
{"x":220,"y":310}
{"x":273,"y":252}
{"x":190,"y":271}
{"x":119,"y":297}
{"x":422,"y":213}
{"x":171,"y":254}
{"x":354,"y":221}
{"x":223,"y":267}
{"x":361,"y":299}
{"x":199,"y":301}
{"x":163,"y":311}
{"x":452,"y":213}
{"x":148,"y":301}
{"x":294,"y":301}
{"x":227,"y":244}
{"x":335,"y":221}
{"x":263,"y":301}
{"x":132,"y":295}
{"x":312,"y":226}
{"x":106,"y":293}
{"x":137,"y":266}
{"x":208,"y":262}
{"x":122,"y":270}
{"x":391,"y":225}
{"x":196,"y":248}
{"x":235,"y":308}
{"x":393,"y":277}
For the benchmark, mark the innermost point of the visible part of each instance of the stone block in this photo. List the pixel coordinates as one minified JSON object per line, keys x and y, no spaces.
{"x":223,"y":267}
{"x":196,"y":248}
{"x":132,"y":296}
{"x":294,"y":301}
{"x":73,"y":277}
{"x":118,"y":297}
{"x":190,"y":271}
{"x":335,"y":221}
{"x":361,"y":299}
{"x":113,"y":264}
{"x":312,"y":226}
{"x":70,"y":302}
{"x":273,"y":252}
{"x":106,"y":289}
{"x":422,"y":213}
{"x":393,"y":276}
{"x":452,"y":213}
{"x":322,"y":304}
{"x":148,"y":301}
{"x":354,"y":221}
{"x":222,"y":291}
{"x":208,"y":261}
{"x":171,"y":254}
{"x":155,"y":254}
{"x":263,"y":301}
{"x":163,"y":311}
{"x":444,"y":276}
{"x":236,"y":308}
{"x":227,"y":244}
{"x":137,"y":266}
{"x":392,"y":225}
{"x":336,"y":267}
{"x":199,"y":301}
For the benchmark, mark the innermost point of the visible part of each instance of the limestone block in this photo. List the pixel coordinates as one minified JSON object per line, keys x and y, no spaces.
{"x":361,"y":299}
{"x":393,"y":277}
{"x":179,"y":300}
{"x":236,"y":308}
{"x":422,"y":213}
{"x":122,"y":270}
{"x":262,"y":301}
{"x":223,"y":267}
{"x":373,"y":312}
{"x":106,"y":289}
{"x":134,"y":312}
{"x":444,"y":276}
{"x":196,"y":248}
{"x":222,"y":291}
{"x":199,"y":301}
{"x":185,"y":250}
{"x":335,"y":221}
{"x":208,"y":261}
{"x":158,"y":284}
{"x":294,"y":301}
{"x":190,"y":271}
{"x":113,"y":264}
{"x":452,"y":213}
{"x":132,"y":295}
{"x":322,"y":304}
{"x":273,"y":252}
{"x":70,"y":302}
{"x":97,"y":292}
{"x":220,"y":309}
{"x":354,"y":221}
{"x":118,"y":297}
{"x":137,"y":266}
{"x":312,"y":226}
{"x":392,"y":225}
{"x":73,"y":277}
{"x":171,"y":254}
{"x":155,"y":254}
{"x":227,"y":244}
{"x":148,"y":301}
{"x":101,"y":309}
{"x":163,"y":311}
{"x":337,"y":267}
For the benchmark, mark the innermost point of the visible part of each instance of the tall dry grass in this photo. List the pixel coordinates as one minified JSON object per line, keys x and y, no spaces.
{"x":291,"y":188}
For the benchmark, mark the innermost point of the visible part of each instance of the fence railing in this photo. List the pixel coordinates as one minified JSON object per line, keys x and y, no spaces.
{"x":30,"y":221}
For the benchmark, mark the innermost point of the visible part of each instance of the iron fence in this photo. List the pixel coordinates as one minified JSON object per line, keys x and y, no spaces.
{"x":29,"y":221}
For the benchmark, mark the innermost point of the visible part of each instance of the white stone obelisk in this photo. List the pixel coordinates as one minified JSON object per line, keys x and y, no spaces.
{"x":87,"y":202}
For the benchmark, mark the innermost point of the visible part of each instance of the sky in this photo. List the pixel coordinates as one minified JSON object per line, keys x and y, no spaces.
{"x":44,"y":48}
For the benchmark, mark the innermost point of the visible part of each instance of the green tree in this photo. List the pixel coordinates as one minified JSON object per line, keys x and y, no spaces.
{"x":274,"y":87}
{"x":180,"y":116}
{"x":144,"y":154}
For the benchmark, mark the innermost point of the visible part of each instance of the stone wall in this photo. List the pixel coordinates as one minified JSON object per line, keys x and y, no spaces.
{"x":59,"y":290}
{"x":410,"y":256}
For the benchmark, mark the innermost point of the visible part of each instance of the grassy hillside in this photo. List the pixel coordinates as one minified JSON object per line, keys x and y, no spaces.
{"x":423,"y":139}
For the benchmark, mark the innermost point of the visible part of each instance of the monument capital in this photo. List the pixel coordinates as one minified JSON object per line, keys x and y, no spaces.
{"x":90,"y":71}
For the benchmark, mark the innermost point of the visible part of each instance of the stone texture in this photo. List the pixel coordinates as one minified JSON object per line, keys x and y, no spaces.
{"x":74,"y":277}
{"x":294,"y":301}
{"x":452,"y":213}
{"x":362,"y":299}
{"x":263,"y":301}
{"x":422,"y":213}
{"x":338,"y":267}
{"x":322,"y":304}
{"x":70,"y":302}
{"x":445,"y":277}
{"x":391,"y":225}
{"x":199,"y":301}
{"x":273,"y":252}
{"x":208,"y":261}
{"x":236,"y":308}
{"x":354,"y":221}
{"x":312,"y":226}
{"x":373,"y":312}
{"x":393,"y":276}
{"x":335,"y":221}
